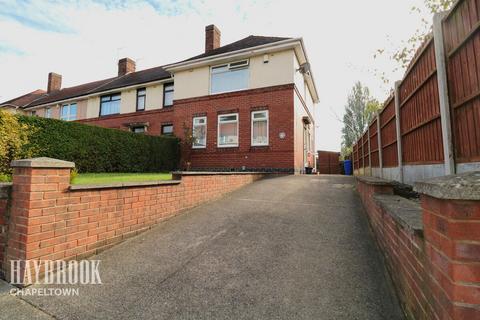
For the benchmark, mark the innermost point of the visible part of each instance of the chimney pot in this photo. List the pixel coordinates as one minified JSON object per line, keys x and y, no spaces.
{"x":54,"y":82}
{"x":212,"y":38}
{"x":125,"y":65}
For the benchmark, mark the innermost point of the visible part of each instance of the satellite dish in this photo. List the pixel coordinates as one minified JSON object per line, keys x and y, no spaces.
{"x":305,"y":68}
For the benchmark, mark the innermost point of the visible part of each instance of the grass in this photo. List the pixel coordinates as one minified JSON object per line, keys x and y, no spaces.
{"x":103,"y":178}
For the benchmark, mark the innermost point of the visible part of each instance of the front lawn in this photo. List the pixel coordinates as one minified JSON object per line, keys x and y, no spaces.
{"x":104,"y":178}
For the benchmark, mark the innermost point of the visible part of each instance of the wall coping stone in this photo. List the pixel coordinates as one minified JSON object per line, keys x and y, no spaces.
{"x":213,"y":173}
{"x":117,"y":185}
{"x":42,"y":162}
{"x":464,"y":186}
{"x":405,"y":212}
{"x":5,"y":190}
{"x":374,"y":181}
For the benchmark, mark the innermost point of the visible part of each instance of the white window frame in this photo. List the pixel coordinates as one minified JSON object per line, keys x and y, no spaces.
{"x":48,"y":112}
{"x":246,"y":65}
{"x":218,"y":130}
{"x":268,"y":128}
{"x":69,"y":116}
{"x":206,"y":132}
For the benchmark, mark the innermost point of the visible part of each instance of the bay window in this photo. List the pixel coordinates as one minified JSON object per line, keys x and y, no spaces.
{"x":229,"y":77}
{"x":110,"y":104}
{"x":227,"y":130}
{"x":199,"y":132}
{"x":69,"y":112}
{"x":260,"y":128}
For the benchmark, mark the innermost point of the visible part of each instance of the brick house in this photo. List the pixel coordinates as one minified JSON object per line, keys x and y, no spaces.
{"x":249,"y":104}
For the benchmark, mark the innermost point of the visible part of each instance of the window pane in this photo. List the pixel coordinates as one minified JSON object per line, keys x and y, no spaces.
{"x":169,"y":87}
{"x":229,"y":81}
{"x":141,"y":92}
{"x":232,"y":117}
{"x":167,"y":129}
{"x":199,"y":132}
{"x":260,"y":115}
{"x":111,"y":107}
{"x":138,"y":129}
{"x":260,"y":129}
{"x":116,"y":96}
{"x":141,"y":103}
{"x":228,"y":134}
{"x":220,"y":69}
{"x":168,"y":99}
{"x":48,"y":113}
{"x":73,"y":112}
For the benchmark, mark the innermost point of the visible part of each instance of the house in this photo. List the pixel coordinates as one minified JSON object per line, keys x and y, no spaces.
{"x":250,"y":104}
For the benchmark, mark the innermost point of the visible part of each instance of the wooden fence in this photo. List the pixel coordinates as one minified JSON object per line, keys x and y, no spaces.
{"x":430,"y":126}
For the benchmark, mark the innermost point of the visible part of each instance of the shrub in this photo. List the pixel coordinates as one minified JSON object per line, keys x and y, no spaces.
{"x":13,"y":141}
{"x":96,"y":149}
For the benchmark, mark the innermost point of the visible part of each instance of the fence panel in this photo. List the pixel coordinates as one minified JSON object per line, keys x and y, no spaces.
{"x":462,"y":45}
{"x":388,"y":134}
{"x":420,"y":124}
{"x":366,"y":155}
{"x":374,"y":144}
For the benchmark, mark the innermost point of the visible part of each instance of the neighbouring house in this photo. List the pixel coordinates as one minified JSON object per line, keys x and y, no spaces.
{"x":249,"y":104}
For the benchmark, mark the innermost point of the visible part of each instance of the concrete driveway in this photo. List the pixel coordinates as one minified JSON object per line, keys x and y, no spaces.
{"x":293,"y":247}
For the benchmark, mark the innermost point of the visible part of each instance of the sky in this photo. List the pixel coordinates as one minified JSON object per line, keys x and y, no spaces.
{"x":83,"y":40}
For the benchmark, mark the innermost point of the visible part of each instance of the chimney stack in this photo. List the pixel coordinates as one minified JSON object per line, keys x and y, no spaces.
{"x":54,"y":82}
{"x":125,"y":65}
{"x":212,"y":38}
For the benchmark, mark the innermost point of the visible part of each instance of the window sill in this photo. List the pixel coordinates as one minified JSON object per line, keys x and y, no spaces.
{"x":226,"y":147}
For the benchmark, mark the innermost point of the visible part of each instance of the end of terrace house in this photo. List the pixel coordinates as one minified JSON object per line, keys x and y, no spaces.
{"x":250,"y":104}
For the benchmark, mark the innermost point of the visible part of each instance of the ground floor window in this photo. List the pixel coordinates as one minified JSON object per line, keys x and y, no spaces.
{"x":167,"y":129}
{"x":69,"y":112}
{"x":141,"y":129}
{"x":228,"y":130}
{"x":260,"y":128}
{"x":199,"y":132}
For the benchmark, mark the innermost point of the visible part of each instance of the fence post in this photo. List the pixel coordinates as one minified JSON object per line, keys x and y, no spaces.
{"x":369,"y":152}
{"x":379,"y":138}
{"x":399,"y":134}
{"x":440,"y":59}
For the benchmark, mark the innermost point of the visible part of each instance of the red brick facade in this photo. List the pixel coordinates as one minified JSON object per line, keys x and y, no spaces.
{"x":50,"y":221}
{"x":278,"y":156}
{"x":437,"y":273}
{"x":4,"y":206}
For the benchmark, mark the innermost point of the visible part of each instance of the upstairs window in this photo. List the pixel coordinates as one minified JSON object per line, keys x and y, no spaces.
{"x":260,"y":128}
{"x":69,"y":112}
{"x":168,"y":94}
{"x":110,"y":104}
{"x":229,"y":77}
{"x":199,"y":132}
{"x":228,"y":130}
{"x":48,"y":112}
{"x":141,"y":96}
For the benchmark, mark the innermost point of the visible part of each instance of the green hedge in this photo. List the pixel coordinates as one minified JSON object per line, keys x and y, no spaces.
{"x":96,"y":149}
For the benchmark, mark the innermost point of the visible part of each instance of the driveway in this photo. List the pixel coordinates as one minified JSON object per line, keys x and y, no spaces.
{"x":292,"y":247}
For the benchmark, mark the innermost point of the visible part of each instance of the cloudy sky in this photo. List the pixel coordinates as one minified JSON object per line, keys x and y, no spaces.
{"x":82,"y":40}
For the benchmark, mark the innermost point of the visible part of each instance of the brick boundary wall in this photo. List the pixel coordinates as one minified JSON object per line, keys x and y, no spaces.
{"x":432,"y":251}
{"x":4,"y":215}
{"x":52,"y":220}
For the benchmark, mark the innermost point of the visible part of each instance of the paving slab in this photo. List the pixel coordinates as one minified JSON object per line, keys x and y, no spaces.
{"x":291,"y":247}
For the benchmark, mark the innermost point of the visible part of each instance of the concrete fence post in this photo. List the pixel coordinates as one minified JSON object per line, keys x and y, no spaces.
{"x":379,"y":138}
{"x":440,"y":59}
{"x":398,"y":126}
{"x":369,"y":152}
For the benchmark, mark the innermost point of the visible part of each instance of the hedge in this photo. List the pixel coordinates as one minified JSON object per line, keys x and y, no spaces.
{"x":96,"y":149}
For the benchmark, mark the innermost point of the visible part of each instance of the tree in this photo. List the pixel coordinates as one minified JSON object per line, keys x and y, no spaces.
{"x":359,"y":111}
{"x":405,"y":50}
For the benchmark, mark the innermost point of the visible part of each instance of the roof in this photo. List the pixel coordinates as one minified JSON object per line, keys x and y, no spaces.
{"x":138,"y":77}
{"x":25,"y":99}
{"x":248,"y":42}
{"x":134,"y":78}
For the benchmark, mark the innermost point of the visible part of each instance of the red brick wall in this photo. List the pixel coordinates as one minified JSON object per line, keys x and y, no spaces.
{"x":50,"y":222}
{"x":4,"y":199}
{"x":437,"y":275}
{"x":155,"y":119}
{"x":280,"y":152}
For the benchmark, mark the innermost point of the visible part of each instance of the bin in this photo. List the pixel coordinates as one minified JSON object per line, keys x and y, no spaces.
{"x":347,"y":165}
